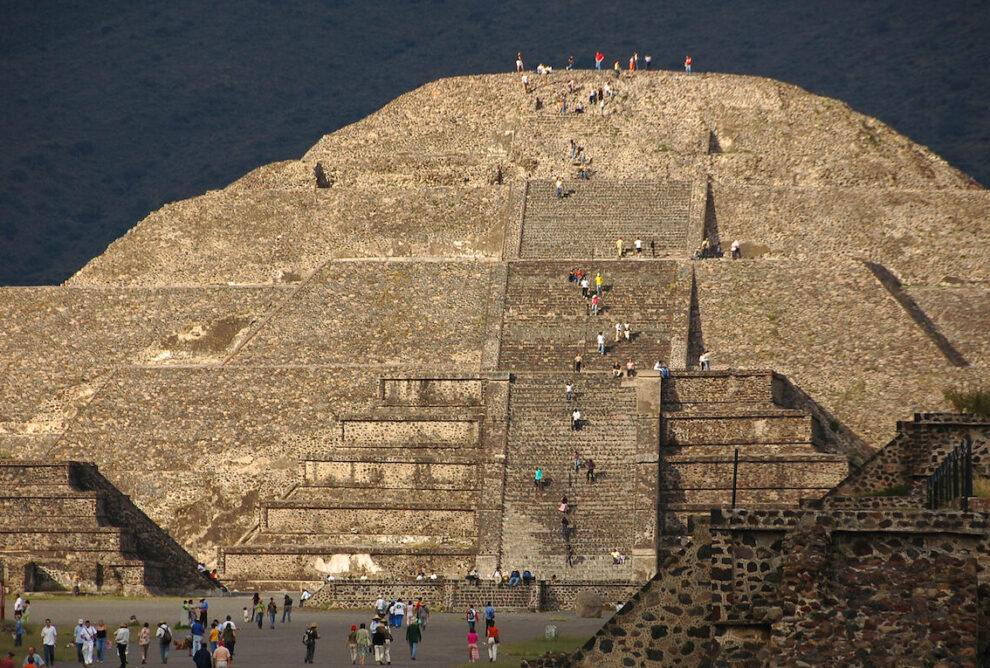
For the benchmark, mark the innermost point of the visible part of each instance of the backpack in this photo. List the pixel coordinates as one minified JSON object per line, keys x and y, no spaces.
{"x":166,"y":636}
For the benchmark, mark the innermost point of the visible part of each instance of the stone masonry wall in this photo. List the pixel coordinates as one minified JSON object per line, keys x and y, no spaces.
{"x":431,"y":391}
{"x":915,"y":452}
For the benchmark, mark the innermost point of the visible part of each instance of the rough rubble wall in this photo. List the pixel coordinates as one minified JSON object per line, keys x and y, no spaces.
{"x":857,"y":594}
{"x":914,"y":454}
{"x":792,"y":587}
{"x":665,"y":622}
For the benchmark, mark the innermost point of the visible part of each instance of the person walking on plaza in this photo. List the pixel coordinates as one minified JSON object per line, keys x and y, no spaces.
{"x":122,"y":638}
{"x":197,"y":630}
{"x":259,"y":612}
{"x":228,"y":635}
{"x":351,"y":644}
{"x":414,"y":636}
{"x":287,"y":609}
{"x":222,"y":656}
{"x":473,"y":653}
{"x":378,"y":641}
{"x":272,"y":610}
{"x":144,"y":641}
{"x":164,"y":635}
{"x":363,"y":638}
{"x":493,"y":641}
{"x":49,"y":637}
{"x":309,"y":639}
{"x":88,"y":636}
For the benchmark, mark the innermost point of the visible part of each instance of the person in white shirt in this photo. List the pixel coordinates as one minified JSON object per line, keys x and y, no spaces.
{"x":576,"y":420}
{"x":88,"y":636}
{"x":164,"y":635}
{"x":122,"y":638}
{"x":49,"y":638}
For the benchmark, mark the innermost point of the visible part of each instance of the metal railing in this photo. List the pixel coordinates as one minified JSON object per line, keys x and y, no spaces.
{"x":953,"y":478}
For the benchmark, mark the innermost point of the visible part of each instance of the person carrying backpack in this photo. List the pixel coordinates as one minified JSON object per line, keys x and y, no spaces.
{"x":472,"y":618}
{"x":164,"y":635}
{"x":309,"y":639}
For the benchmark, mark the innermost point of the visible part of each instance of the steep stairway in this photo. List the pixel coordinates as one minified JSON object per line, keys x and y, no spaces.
{"x":602,"y":514}
{"x":595,"y":213}
{"x":547,"y":322}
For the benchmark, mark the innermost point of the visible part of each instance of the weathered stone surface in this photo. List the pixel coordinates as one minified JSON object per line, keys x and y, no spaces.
{"x":588,"y":604}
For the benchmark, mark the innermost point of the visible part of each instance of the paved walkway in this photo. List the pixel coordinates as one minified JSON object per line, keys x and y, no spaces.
{"x":444,"y":642}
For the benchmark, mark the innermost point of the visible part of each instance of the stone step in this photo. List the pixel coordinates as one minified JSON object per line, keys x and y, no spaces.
{"x":35,"y":502}
{"x":99,"y":539}
{"x":24,"y":474}
{"x":793,"y":471}
{"x":719,"y":387}
{"x":400,"y":492}
{"x":456,"y":472}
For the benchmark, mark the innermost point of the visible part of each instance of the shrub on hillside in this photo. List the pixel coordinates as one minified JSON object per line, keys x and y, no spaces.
{"x":970,"y":401}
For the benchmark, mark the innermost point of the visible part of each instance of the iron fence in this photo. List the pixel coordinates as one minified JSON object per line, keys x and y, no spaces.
{"x":953,"y":478}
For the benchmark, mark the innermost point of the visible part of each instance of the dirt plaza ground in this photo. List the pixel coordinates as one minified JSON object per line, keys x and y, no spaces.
{"x":444,"y":642}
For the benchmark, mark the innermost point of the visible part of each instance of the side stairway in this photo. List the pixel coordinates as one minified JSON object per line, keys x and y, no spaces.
{"x":706,"y":417}
{"x":63,"y":524}
{"x":398,"y":491}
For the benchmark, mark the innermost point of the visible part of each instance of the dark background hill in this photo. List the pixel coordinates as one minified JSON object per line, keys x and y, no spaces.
{"x":111,"y":109}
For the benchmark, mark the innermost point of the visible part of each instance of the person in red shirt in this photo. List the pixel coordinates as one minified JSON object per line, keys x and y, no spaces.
{"x":599,"y":57}
{"x":492,"y":641}
{"x":7,"y":662}
{"x":687,"y":64}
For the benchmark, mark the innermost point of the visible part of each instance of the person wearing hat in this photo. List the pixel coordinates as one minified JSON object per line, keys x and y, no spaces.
{"x":122,"y":638}
{"x":221,"y":656}
{"x":309,"y":639}
{"x":164,"y":635}
{"x":351,"y":643}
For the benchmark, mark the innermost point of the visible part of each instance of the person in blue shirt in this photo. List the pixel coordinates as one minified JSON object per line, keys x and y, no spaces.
{"x":197,"y":630}
{"x":489,"y":615}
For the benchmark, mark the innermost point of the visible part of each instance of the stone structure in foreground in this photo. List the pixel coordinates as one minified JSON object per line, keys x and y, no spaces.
{"x":352,"y":364}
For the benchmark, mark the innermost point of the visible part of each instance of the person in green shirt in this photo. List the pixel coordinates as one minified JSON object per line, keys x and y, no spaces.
{"x":259,"y":611}
{"x":413,"y":636}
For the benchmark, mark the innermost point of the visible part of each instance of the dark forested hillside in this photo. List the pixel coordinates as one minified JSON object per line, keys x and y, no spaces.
{"x":111,"y":109}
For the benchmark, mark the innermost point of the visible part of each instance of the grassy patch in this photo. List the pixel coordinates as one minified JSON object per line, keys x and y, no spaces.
{"x":969,"y":401}
{"x":981,"y":487}
{"x":509,"y":653}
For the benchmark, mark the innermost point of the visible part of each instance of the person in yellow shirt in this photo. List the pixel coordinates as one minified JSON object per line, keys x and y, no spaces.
{"x":214,"y":636}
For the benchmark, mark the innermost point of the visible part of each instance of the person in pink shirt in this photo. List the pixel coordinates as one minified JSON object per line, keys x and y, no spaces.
{"x":473,"y":653}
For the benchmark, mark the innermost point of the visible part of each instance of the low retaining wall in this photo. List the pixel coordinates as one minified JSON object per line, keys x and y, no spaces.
{"x":454,"y":595}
